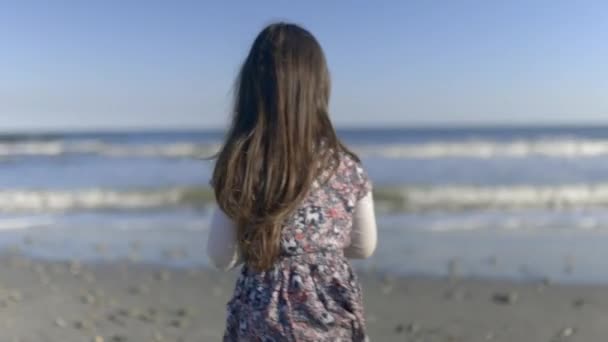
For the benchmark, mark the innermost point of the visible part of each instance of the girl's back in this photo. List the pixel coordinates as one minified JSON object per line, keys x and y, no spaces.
{"x":294,"y":202}
{"x":311,"y":292}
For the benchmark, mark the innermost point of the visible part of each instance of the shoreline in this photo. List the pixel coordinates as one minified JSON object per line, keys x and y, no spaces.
{"x":519,"y":256}
{"x":125,"y":301}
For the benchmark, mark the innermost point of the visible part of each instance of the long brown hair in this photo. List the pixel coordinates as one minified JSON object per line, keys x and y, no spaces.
{"x":280,"y":140}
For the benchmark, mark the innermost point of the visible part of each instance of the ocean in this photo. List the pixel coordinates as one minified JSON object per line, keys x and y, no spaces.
{"x":514,"y":202}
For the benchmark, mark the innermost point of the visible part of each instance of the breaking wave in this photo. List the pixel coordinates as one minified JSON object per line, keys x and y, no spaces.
{"x":405,"y":199}
{"x":43,"y":201}
{"x":554,"y":148}
{"x":558,"y":148}
{"x":459,"y":198}
{"x":100,"y":148}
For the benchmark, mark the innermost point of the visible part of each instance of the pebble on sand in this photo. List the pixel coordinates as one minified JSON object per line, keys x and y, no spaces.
{"x":60,"y":322}
{"x":163,"y":275}
{"x":116,"y":320}
{"x":177,"y":323}
{"x":146,"y":317}
{"x":567,"y":332}
{"x":118,"y":338}
{"x":87,"y":299}
{"x":182,"y":312}
{"x":411,"y":328}
{"x":139,"y":289}
{"x":15,"y":296}
{"x":504,"y":297}
{"x":80,"y":325}
{"x":578,"y":303}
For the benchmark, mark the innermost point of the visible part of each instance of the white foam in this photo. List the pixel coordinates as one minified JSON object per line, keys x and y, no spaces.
{"x":448,"y":198}
{"x":455,"y":197}
{"x":24,"y":223}
{"x":37,"y":201}
{"x":557,"y":148}
{"x":97,"y":147}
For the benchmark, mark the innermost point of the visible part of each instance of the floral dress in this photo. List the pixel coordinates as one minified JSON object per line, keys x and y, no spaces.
{"x":311,"y":292}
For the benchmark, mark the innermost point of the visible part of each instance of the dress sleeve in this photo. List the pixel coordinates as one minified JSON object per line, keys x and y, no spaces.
{"x":364,"y":234}
{"x":361,"y":182}
{"x":222,"y":244}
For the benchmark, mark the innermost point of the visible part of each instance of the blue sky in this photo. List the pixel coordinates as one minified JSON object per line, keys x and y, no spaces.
{"x":124,"y":64}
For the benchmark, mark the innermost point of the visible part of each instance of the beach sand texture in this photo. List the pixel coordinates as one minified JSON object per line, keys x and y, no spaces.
{"x":122,"y":301}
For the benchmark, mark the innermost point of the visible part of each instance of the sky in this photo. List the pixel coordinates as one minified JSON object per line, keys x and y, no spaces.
{"x":123,"y":64}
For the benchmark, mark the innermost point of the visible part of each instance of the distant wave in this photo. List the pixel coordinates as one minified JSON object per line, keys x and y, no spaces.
{"x":44,"y":201}
{"x":96,"y":147}
{"x":556,"y":148}
{"x":458,"y":198}
{"x":24,"y":223}
{"x":406,"y":199}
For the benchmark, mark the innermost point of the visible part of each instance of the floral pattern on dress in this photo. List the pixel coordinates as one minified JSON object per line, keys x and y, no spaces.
{"x":311,"y":293}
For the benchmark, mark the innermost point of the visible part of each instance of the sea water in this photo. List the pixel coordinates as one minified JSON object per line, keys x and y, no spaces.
{"x":517,"y":202}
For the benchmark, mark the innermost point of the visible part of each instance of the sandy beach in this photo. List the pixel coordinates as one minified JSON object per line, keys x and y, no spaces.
{"x":122,"y":301}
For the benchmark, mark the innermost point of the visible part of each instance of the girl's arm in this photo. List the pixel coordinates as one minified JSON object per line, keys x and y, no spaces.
{"x":222,"y":245}
{"x":364,"y":233}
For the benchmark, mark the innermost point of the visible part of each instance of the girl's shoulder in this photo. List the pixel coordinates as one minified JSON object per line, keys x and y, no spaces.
{"x":353,"y":174}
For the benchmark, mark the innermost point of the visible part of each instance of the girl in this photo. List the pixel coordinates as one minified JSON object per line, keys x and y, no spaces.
{"x":293,"y":201}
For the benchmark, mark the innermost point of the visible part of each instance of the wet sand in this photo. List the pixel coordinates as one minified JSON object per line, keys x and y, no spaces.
{"x":121,"y":301}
